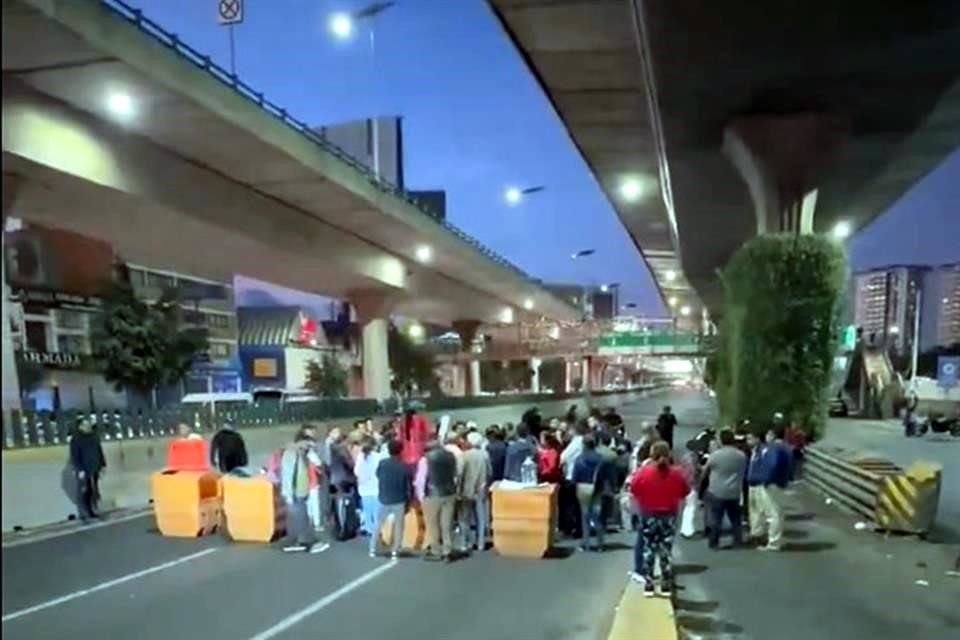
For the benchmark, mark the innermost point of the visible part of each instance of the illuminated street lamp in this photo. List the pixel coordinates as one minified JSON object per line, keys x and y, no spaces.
{"x":120,"y":104}
{"x":670,"y":275}
{"x":842,"y":230}
{"x":685,"y":310}
{"x":672,"y":301}
{"x":515,"y":195}
{"x":416,"y":331}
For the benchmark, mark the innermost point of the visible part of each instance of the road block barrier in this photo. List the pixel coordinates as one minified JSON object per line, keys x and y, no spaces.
{"x":893,"y":498}
{"x":186,"y":504}
{"x":524,"y":520}
{"x":253,"y":510}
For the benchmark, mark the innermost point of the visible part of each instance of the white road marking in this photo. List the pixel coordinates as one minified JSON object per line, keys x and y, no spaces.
{"x":105,"y":585}
{"x":40,"y":537}
{"x":326,"y":601}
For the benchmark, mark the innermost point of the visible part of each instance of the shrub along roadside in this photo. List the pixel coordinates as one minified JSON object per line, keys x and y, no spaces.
{"x":782,"y":296}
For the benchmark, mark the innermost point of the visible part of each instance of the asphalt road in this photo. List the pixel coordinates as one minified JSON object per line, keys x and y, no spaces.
{"x":126,"y":581}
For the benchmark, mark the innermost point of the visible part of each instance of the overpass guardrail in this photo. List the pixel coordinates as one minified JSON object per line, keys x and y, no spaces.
{"x":892,"y":498}
{"x":28,"y":429}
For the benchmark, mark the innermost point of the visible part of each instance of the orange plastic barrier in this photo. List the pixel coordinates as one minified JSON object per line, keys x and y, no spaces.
{"x":253,"y":509}
{"x":187,"y":454}
{"x":413,"y":529}
{"x":524,"y":520}
{"x":186,"y":503}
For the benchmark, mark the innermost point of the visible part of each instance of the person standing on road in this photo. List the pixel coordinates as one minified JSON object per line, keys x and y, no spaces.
{"x":666,"y":423}
{"x":227,"y":450}
{"x":756,"y":476}
{"x":779,"y":467}
{"x":497,"y":450}
{"x":394,"y":489}
{"x":436,"y":488}
{"x":591,"y":504}
{"x":295,"y":489}
{"x":413,"y":431}
{"x":88,"y":461}
{"x":518,"y":451}
{"x":365,"y":469}
{"x":659,"y":489}
{"x":473,"y":490}
{"x":727,"y":467}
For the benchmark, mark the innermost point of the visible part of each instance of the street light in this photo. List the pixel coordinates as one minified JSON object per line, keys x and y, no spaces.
{"x":515,"y":195}
{"x":672,"y":301}
{"x":424,"y":254}
{"x":583,"y":253}
{"x":670,"y":275}
{"x":120,"y":104}
{"x":842,"y":230}
{"x":528,"y":304}
{"x":416,"y":331}
{"x":342,"y":26}
{"x":685,"y":310}
{"x":894,"y":330}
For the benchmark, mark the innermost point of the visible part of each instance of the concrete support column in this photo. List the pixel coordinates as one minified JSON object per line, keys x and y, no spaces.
{"x":568,"y":376}
{"x":780,"y":157}
{"x":585,"y":374}
{"x":475,"y":383}
{"x":535,"y":378}
{"x":11,"y":384}
{"x":467,"y":329}
{"x":373,"y":315}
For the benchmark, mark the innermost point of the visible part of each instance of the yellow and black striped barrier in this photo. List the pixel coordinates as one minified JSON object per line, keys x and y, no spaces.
{"x":876,"y":489}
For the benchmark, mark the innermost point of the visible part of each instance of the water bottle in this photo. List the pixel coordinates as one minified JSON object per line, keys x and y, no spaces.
{"x":528,"y":471}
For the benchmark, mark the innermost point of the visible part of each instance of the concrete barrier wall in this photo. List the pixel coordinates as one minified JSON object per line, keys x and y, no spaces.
{"x":38,"y":483}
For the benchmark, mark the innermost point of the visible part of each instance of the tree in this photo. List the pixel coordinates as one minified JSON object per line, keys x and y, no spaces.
{"x":412,"y":366}
{"x":143,"y":346}
{"x":779,"y":331}
{"x":328,"y":378}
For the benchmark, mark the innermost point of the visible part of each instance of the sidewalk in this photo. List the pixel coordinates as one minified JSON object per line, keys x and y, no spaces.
{"x":831,"y":581}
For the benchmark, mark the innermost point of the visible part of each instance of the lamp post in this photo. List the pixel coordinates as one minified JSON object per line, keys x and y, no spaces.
{"x":515,"y":195}
{"x":342,"y":26}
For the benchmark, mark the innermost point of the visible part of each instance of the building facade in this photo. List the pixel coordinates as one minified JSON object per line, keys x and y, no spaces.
{"x":206,"y":305}
{"x":886,"y":303}
{"x":941,"y":307}
{"x":359,"y":138}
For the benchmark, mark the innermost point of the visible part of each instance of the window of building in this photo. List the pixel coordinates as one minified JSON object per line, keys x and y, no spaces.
{"x":70,"y":319}
{"x":218,"y":321}
{"x":159,"y":280}
{"x":36,"y":333}
{"x":220,"y":350}
{"x":67,"y":343}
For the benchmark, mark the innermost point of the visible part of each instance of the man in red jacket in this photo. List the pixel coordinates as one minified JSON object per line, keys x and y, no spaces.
{"x":659,"y":489}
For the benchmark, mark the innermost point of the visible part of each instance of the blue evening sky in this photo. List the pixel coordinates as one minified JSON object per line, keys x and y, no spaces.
{"x":475,"y":121}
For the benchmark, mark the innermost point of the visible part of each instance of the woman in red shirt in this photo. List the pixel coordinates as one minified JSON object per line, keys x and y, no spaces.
{"x":659,"y":489}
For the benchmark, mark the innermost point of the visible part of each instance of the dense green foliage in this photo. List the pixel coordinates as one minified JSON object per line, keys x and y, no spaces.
{"x":411,"y":365}
{"x":779,"y":330}
{"x":328,"y":378}
{"x":142,"y":346}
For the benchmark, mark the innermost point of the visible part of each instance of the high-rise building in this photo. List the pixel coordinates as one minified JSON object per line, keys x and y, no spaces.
{"x":941,"y":307}
{"x":885,"y":304}
{"x":364,"y":140}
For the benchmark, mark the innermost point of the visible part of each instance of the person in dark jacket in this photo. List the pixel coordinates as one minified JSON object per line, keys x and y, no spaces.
{"x":534,"y":422}
{"x":436,"y":488}
{"x":396,"y":485}
{"x":88,"y":461}
{"x":517,"y":452}
{"x":227,"y":450}
{"x":666,"y":423}
{"x":591,"y":503}
{"x":497,"y":450}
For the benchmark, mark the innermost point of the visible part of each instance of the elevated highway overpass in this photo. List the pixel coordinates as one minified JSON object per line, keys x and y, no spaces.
{"x":708,"y":123}
{"x":114,"y":128}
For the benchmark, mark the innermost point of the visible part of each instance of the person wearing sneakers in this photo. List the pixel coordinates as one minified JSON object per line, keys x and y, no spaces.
{"x":394,"y":491}
{"x":295,"y":489}
{"x":659,"y":489}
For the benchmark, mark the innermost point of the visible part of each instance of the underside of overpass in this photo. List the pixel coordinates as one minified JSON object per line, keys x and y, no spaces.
{"x":745,"y":117}
{"x":199,"y":173}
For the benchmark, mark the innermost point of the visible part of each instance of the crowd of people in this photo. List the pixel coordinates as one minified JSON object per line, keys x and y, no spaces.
{"x":354,"y":482}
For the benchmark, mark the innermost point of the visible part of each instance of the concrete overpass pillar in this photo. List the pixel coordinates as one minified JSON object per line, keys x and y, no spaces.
{"x":568,"y":376}
{"x":467,"y":329}
{"x":780,"y":158}
{"x":11,"y":385}
{"x":535,"y":378}
{"x":373,"y":315}
{"x":585,"y":385}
